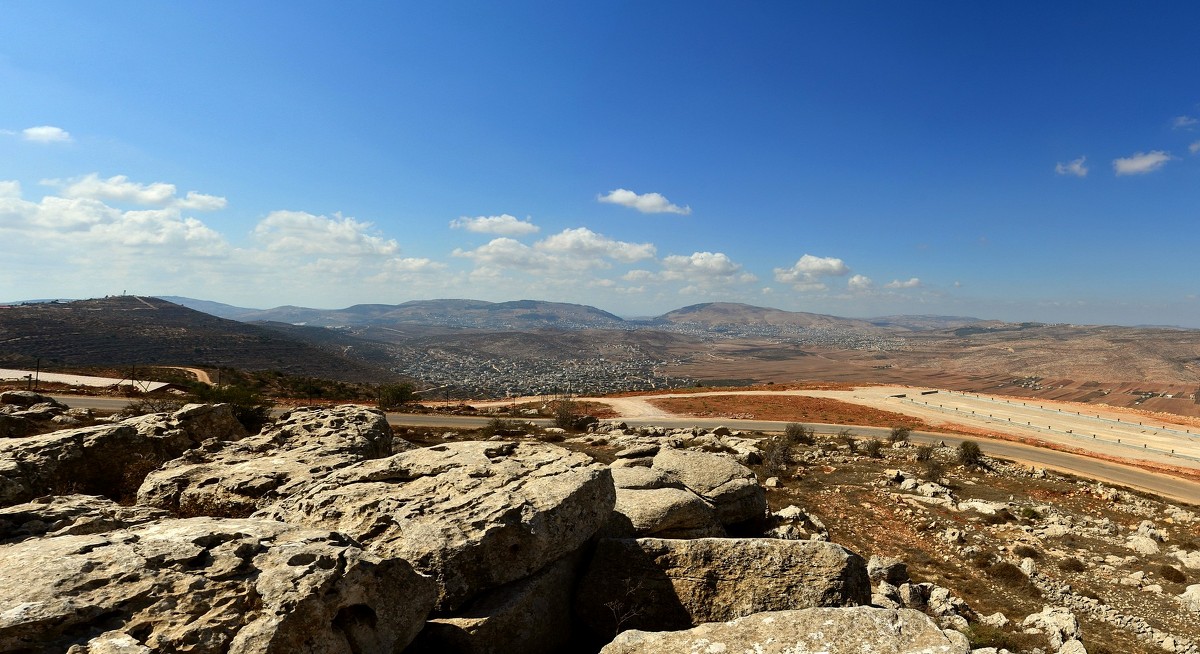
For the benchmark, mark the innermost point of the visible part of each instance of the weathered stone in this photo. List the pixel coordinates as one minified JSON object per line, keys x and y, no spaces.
{"x":235,"y":479}
{"x":674,"y":584}
{"x":70,"y":515}
{"x":731,"y":488}
{"x":1058,"y":623}
{"x":473,"y":515}
{"x":893,"y":571}
{"x":29,"y":398}
{"x":207,"y":585}
{"x":1142,"y":545}
{"x":109,"y":460}
{"x":1072,"y":647}
{"x":1191,"y":598}
{"x":531,"y":615}
{"x":636,"y":477}
{"x":662,"y":512}
{"x":808,"y":631}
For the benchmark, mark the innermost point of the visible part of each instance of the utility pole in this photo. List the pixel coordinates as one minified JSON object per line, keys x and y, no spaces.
{"x":37,"y":372}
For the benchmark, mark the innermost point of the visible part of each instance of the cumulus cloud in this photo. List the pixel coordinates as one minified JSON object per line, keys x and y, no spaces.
{"x":912,"y":282}
{"x":305,"y":234}
{"x":860,"y":283}
{"x":570,"y":250}
{"x":1194,"y":148}
{"x":119,"y":188}
{"x":583,"y":243}
{"x":1077,"y":167}
{"x":700,"y":266}
{"x":201,"y":202}
{"x":504,"y":224}
{"x":645,"y":203}
{"x":806,"y":273}
{"x":1141,"y":163}
{"x":1184,"y":122}
{"x":46,"y":134}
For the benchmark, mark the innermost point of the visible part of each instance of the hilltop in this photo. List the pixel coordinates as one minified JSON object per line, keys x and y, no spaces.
{"x":136,"y":331}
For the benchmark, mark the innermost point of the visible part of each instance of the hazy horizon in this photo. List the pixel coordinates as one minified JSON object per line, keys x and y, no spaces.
{"x":1021,"y":162}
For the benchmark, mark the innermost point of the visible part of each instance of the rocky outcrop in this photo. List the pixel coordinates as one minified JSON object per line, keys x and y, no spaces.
{"x":731,"y":488}
{"x":29,"y":399}
{"x":472,"y":515}
{"x":207,"y":585}
{"x":70,"y":515}
{"x":1058,"y":623}
{"x":808,"y":631}
{"x":657,"y":584}
{"x":235,"y":479}
{"x":662,"y":512}
{"x":532,"y":616}
{"x":109,"y":460}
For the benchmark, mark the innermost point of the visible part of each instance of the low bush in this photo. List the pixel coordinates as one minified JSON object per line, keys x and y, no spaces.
{"x":969,"y":454}
{"x":873,"y":448}
{"x":1172,"y":574}
{"x":924,"y":453}
{"x":1012,"y":576}
{"x":1072,"y":565}
{"x":1027,"y":552}
{"x":798,"y":434}
{"x":899,"y":434}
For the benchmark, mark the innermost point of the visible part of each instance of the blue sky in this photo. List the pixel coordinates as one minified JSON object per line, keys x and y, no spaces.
{"x":1003,"y":160}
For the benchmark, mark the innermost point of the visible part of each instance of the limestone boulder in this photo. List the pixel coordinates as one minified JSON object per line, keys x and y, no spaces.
{"x":28,"y":399}
{"x":207,"y":585}
{"x":808,"y":631}
{"x":70,"y":515}
{"x":234,"y":479}
{"x":730,"y":487}
{"x":1190,"y":598}
{"x":664,"y":513}
{"x":472,"y":515}
{"x":110,"y":460}
{"x":1058,"y":623}
{"x":530,"y":615}
{"x":657,"y":584}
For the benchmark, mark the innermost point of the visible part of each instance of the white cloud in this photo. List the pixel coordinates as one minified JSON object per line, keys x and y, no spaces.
{"x":806,"y":273}
{"x":1184,"y":122}
{"x":645,"y":203}
{"x":1077,"y":167}
{"x":302,"y":234}
{"x":583,"y":243}
{"x":46,"y":134}
{"x":117,"y":188}
{"x":704,"y":270}
{"x":502,"y":253}
{"x":1194,"y":148}
{"x":1141,"y":163}
{"x":913,"y":282}
{"x":201,"y":202}
{"x":860,"y":283}
{"x":504,"y":224}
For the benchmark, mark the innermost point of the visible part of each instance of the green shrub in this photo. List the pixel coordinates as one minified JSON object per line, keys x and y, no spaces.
{"x":393,"y":396}
{"x":899,"y":434}
{"x":566,"y":413}
{"x":250,"y":408}
{"x":797,"y":433}
{"x":873,"y":448}
{"x":969,"y":454}
{"x":924,"y":453}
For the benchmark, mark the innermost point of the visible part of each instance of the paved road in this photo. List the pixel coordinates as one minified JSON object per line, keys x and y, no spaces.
{"x":1164,"y":485}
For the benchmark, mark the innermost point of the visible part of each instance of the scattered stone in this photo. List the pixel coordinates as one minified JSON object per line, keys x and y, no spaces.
{"x":1058,"y":623}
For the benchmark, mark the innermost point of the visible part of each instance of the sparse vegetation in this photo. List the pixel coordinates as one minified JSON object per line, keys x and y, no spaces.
{"x":250,"y":408}
{"x":873,"y":448}
{"x":969,"y":455}
{"x":796,"y":433}
{"x":566,"y":413}
{"x":924,"y":453}
{"x":1072,"y":564}
{"x":393,"y":396}
{"x":1172,"y":574}
{"x":900,"y":434}
{"x":1027,"y":552}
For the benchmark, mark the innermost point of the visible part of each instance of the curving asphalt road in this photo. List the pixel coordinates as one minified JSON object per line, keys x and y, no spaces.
{"x":1181,"y":490}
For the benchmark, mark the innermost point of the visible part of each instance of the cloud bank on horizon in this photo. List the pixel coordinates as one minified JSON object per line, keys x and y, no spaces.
{"x":832,"y":159}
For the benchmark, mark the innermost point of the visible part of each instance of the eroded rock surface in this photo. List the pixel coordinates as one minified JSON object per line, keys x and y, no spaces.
{"x":236,"y":479}
{"x":70,"y":515}
{"x":109,"y":460}
{"x":207,"y":585}
{"x":808,"y":631}
{"x":652,"y":583}
{"x":472,"y":515}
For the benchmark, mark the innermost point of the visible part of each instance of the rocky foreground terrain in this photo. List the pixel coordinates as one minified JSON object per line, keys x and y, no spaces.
{"x":327,"y":532}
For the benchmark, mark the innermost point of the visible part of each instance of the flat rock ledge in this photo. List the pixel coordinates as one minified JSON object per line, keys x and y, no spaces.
{"x":807,"y":631}
{"x":206,"y":585}
{"x":472,"y":515}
